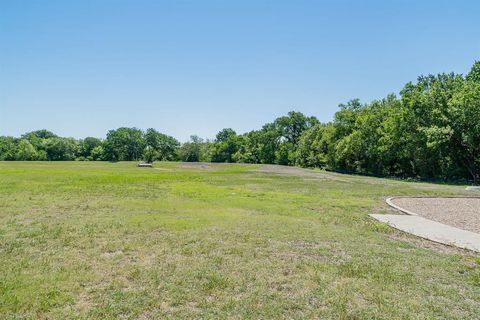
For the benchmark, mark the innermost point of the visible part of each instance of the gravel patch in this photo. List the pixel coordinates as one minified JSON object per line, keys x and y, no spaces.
{"x":463,"y":213}
{"x":196,"y":165}
{"x":296,"y":171}
{"x":309,"y":174}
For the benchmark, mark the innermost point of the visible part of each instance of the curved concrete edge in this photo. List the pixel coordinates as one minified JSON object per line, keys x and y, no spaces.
{"x":393,"y":205}
{"x":432,"y":230}
{"x":462,"y":238}
{"x":389,"y":201}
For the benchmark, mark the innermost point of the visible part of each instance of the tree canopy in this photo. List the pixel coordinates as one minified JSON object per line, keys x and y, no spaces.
{"x":431,"y":130}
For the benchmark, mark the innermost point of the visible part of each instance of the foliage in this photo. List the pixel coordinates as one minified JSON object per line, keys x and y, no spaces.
{"x":224,"y":147}
{"x":191,"y":151}
{"x":162,"y":146}
{"x":25,"y":151}
{"x":124,"y":144}
{"x":121,"y":144}
{"x":315,"y":146}
{"x":87,"y":145}
{"x":430,"y":131}
{"x":8,"y":148}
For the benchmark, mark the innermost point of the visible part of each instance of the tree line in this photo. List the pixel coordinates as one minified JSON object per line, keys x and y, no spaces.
{"x":431,"y":130}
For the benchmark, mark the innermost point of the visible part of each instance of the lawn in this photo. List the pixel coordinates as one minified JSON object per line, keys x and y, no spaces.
{"x":110,"y":240}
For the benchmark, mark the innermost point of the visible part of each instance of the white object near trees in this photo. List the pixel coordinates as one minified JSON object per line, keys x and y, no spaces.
{"x":472,"y":188}
{"x":145,"y":165}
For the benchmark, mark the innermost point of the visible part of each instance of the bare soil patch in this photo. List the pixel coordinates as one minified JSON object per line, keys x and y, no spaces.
{"x":196,"y":165}
{"x":296,"y":171}
{"x":463,"y":213}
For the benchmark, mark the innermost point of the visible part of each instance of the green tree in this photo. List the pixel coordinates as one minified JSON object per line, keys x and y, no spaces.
{"x":37,"y":138}
{"x":315,"y":148}
{"x":25,"y":151}
{"x":8,"y":148}
{"x":474,"y":74}
{"x":58,"y":148}
{"x":124,"y":144}
{"x":224,"y":146}
{"x":191,"y":151}
{"x":160,"y":146}
{"x":427,"y":122}
{"x":98,"y":153}
{"x":291,"y":126}
{"x":267,"y":142}
{"x":464,"y":133}
{"x":289,"y":129}
{"x":87,"y":145}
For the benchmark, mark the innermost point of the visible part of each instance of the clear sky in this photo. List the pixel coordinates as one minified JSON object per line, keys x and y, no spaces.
{"x":80,"y":68}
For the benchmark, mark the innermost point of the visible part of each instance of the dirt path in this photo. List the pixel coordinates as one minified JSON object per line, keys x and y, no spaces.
{"x":463,"y":213}
{"x":197,"y":165}
{"x":296,"y":171}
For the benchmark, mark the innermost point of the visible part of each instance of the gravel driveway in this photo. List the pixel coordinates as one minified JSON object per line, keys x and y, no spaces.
{"x":463,"y":213}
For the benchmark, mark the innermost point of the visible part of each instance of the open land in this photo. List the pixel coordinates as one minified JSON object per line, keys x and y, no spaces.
{"x":110,"y":240}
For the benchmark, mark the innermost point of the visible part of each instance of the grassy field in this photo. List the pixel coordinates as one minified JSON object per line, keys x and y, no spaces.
{"x":110,"y":240}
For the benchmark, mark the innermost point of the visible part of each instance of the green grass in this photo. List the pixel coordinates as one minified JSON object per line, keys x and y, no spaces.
{"x":110,"y":240}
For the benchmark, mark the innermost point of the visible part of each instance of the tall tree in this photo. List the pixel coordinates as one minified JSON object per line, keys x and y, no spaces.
{"x":25,"y":151}
{"x":58,"y":148}
{"x":124,"y":144}
{"x":465,"y":128}
{"x":191,"y":151}
{"x":224,"y":146}
{"x":87,"y":145}
{"x":161,"y":146}
{"x":8,"y":148}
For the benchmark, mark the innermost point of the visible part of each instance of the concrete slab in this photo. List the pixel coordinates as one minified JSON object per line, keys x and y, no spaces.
{"x":432,"y":230}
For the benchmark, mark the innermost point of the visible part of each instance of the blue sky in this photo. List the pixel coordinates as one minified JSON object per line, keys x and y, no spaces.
{"x":80,"y":68}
